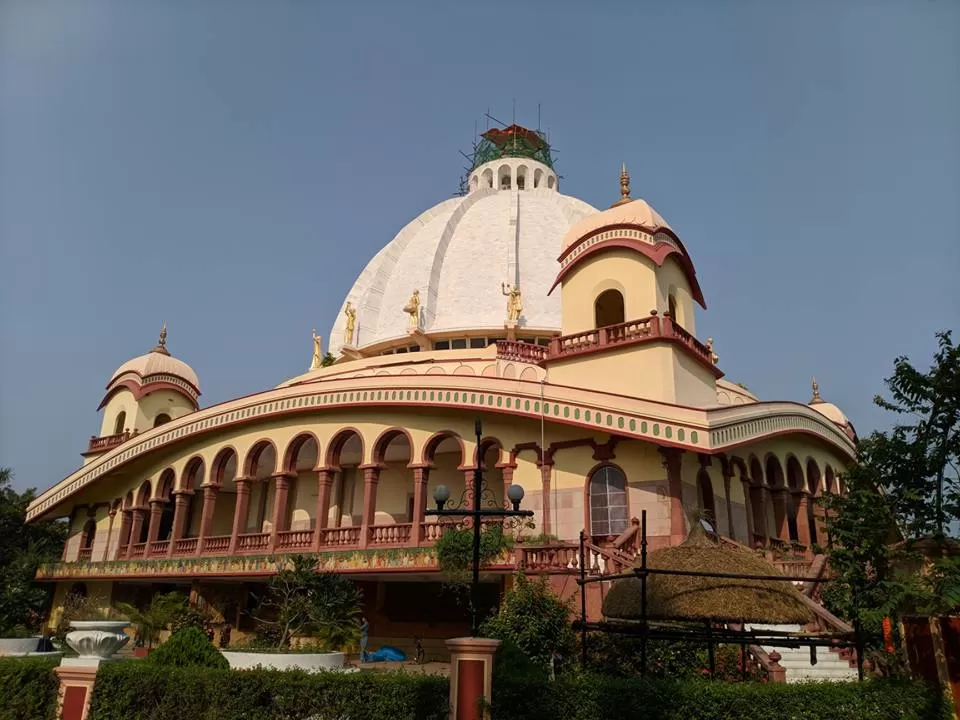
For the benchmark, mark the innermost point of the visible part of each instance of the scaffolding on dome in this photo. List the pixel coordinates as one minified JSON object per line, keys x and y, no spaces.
{"x":512,"y":141}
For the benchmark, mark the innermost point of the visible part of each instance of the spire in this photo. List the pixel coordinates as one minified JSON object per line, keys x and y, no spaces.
{"x":815,"y":386}
{"x":161,"y":346}
{"x":624,"y":186}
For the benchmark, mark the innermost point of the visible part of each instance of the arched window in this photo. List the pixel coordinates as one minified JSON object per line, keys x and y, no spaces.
{"x":608,"y":502}
{"x":161,"y":419}
{"x":608,"y":308}
{"x":88,"y":535}
{"x":121,"y":423}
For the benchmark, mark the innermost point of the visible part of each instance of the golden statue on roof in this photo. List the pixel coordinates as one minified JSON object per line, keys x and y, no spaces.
{"x":412,"y":308}
{"x":514,"y":301}
{"x":317,"y":358}
{"x":351,"y":325}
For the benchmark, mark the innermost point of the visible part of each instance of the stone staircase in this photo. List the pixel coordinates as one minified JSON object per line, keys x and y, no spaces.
{"x":832,"y":666}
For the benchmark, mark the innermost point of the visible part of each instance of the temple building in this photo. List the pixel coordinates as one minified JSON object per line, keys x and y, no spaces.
{"x":570,"y":332}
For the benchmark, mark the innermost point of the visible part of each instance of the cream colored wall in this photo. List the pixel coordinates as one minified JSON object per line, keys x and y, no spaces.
{"x":99,"y":592}
{"x":121,"y":401}
{"x":671,"y":279}
{"x":632,"y":274}
{"x":162,"y":401}
{"x":303,"y":500}
{"x":694,"y":385}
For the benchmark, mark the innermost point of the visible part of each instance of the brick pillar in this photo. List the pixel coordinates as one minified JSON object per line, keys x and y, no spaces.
{"x":136,"y":527}
{"x":76,"y":687}
{"x":780,"y":513}
{"x":672,"y":461}
{"x":748,"y":502}
{"x":421,"y":476}
{"x":546,"y":470}
{"x":206,"y":519}
{"x":471,"y":677}
{"x":731,"y":533}
{"x":281,"y":491}
{"x":153,"y":531}
{"x":240,"y":511}
{"x":123,"y":537}
{"x":371,"y":478}
{"x":324,"y":485}
{"x":801,"y":502}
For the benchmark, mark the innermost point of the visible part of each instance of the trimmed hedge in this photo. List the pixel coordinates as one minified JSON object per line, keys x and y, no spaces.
{"x":143,"y":691}
{"x":28,"y":688}
{"x":590,"y":697}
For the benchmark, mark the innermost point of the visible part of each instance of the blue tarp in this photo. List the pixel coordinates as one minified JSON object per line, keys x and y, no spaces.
{"x":387,"y":653}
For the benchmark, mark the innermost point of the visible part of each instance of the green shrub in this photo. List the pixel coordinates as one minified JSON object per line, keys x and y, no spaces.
{"x":588,"y":697}
{"x":189,"y":647}
{"x":143,"y":691}
{"x":28,"y":688}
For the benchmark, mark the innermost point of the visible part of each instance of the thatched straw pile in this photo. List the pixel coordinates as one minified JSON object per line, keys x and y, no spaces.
{"x":677,"y":597}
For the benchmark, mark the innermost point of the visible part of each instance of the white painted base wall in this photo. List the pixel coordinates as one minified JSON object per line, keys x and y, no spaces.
{"x":830,"y":666}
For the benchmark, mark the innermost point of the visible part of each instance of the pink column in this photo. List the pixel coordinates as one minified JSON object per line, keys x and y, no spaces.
{"x":279,"y":520}
{"x":800,"y":502}
{"x":420,"y":477}
{"x":371,"y":478}
{"x":672,"y":459}
{"x":324,"y":484}
{"x":136,"y":527}
{"x":123,"y":541}
{"x":153,"y":531}
{"x":240,"y":511}
{"x":546,"y":470}
{"x":206,"y":519}
{"x":471,"y":677}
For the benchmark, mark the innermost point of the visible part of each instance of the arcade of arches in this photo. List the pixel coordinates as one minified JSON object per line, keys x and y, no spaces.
{"x":359,"y":492}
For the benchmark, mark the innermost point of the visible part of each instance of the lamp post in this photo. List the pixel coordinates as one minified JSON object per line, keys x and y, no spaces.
{"x":441,"y":496}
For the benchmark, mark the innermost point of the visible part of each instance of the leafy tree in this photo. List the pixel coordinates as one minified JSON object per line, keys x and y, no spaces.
{"x":301,"y":602}
{"x":24,"y":548}
{"x":534,"y":620}
{"x":918,"y":460}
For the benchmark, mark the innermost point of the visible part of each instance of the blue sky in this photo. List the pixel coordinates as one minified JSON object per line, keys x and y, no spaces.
{"x":229,"y":166}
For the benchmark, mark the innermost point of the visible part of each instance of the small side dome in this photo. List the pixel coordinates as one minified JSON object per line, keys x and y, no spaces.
{"x":155,"y":370}
{"x":831,"y":411}
{"x":626,"y":211}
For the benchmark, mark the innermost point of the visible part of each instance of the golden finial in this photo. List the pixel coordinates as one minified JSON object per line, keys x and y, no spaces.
{"x":815,"y":386}
{"x":624,"y":186}
{"x":161,"y":346}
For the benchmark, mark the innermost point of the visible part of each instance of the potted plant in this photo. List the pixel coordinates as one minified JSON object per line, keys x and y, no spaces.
{"x":306,"y":619}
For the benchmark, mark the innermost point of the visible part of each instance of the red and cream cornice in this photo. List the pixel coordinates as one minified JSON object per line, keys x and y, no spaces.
{"x":657,"y":244}
{"x":141,"y":385}
{"x":707,"y":431}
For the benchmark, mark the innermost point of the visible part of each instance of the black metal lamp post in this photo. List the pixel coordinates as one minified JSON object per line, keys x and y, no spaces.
{"x":441,"y":496}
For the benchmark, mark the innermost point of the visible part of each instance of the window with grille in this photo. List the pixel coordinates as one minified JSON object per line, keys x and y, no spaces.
{"x":608,"y":502}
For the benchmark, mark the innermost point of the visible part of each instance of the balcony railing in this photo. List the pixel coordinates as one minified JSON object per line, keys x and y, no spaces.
{"x":185,"y":546}
{"x":138,"y":550}
{"x":340,"y":537}
{"x":521,"y":352}
{"x":390,"y":534}
{"x":107,"y":442}
{"x":253,"y":542}
{"x":84,"y":554}
{"x":220,"y":543}
{"x":294,"y":539}
{"x":160,"y":548}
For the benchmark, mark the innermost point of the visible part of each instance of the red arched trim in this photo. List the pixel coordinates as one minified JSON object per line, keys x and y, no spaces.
{"x":336,"y":446}
{"x":219,"y":464}
{"x":756,"y":471}
{"x":254,"y":454}
{"x":166,"y":482}
{"x":526,"y":447}
{"x":294,"y":448}
{"x":128,"y":500}
{"x":189,"y":470}
{"x":485,"y":444}
{"x":794,"y":472}
{"x":144,"y":493}
{"x":658,"y":253}
{"x":428,"y":456}
{"x":139,"y":391}
{"x":814,"y":478}
{"x":382,"y":442}
{"x":778,"y":479}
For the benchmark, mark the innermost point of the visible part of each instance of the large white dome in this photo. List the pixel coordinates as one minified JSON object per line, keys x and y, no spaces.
{"x":458,"y":253}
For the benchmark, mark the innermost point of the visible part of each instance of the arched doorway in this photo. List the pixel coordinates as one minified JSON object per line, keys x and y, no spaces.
{"x":608,"y":309}
{"x":705,"y":498}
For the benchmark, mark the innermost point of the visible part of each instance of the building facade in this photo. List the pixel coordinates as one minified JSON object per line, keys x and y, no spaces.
{"x":570,"y":332}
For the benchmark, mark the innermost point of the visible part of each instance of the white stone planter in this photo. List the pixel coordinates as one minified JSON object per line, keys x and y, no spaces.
{"x":97,"y":638}
{"x":311,"y":662}
{"x":19,"y":646}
